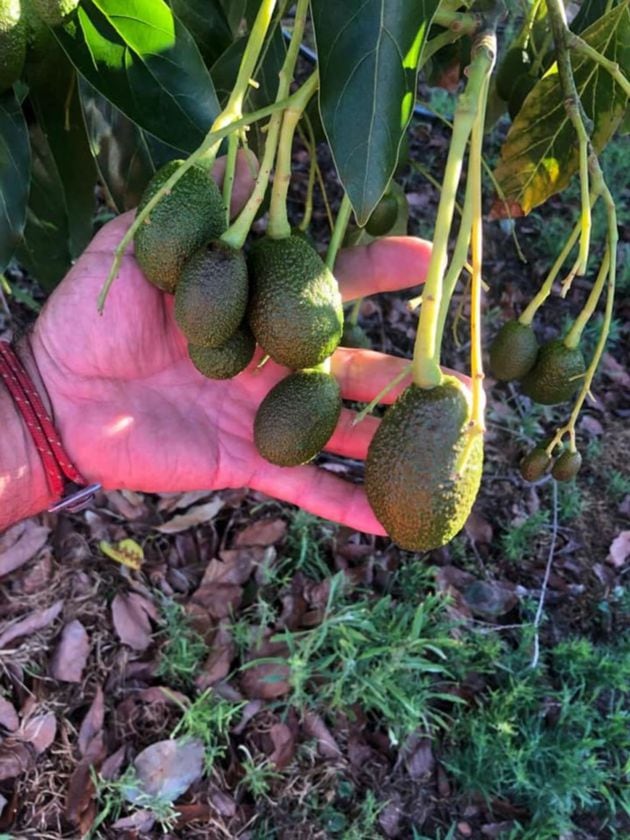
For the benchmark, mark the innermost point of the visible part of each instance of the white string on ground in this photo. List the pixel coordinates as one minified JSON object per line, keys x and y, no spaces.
{"x":541,"y":603}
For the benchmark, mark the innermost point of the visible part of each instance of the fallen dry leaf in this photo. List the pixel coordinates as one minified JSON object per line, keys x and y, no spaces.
{"x":16,"y":758}
{"x":39,"y":731}
{"x":219,"y":599}
{"x":141,"y":821}
{"x":198,"y":515}
{"x":167,"y":769}
{"x":33,"y":623}
{"x":619,"y":549}
{"x":130,"y":615}
{"x":315,"y":727}
{"x":267,"y":680}
{"x":92,"y":723}
{"x":217,"y":665}
{"x":29,"y":539}
{"x":478,"y":529}
{"x":264,"y":532}
{"x":112,"y":765}
{"x":489,"y":599}
{"x":283,"y":740}
{"x":8,"y":716}
{"x":419,"y":759}
{"x":70,"y":656}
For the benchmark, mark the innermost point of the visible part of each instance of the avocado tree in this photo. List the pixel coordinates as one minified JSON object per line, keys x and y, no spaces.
{"x":140,"y":96}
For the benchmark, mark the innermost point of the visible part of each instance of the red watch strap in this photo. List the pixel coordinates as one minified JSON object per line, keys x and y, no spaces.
{"x":57,"y":464}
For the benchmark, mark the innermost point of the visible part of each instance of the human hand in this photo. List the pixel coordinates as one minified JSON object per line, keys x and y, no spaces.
{"x":133,"y":412}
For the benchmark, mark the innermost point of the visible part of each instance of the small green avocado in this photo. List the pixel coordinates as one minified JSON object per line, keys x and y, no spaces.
{"x":12,"y":43}
{"x":355,"y":336}
{"x":190,"y":215}
{"x":514,"y":64}
{"x":557,"y":374}
{"x":383,"y":217}
{"x":567,"y":466}
{"x":417,"y":485}
{"x":294,"y":307}
{"x":297,"y":418}
{"x":535,"y":464}
{"x":211,"y":296}
{"x":513,"y":352}
{"x":229,"y":359}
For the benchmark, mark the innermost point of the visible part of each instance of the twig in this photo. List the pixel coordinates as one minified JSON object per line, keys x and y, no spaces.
{"x":545,"y":583}
{"x":578,"y":44}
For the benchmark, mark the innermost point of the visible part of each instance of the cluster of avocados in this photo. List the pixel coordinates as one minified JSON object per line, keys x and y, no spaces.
{"x":549,"y":374}
{"x":20,"y":21}
{"x":280,"y":296}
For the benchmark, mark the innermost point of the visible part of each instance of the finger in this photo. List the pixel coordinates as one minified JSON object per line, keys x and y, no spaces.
{"x":395,"y":262}
{"x":352,"y":441}
{"x":109,"y":236}
{"x":319,"y":493}
{"x":244,"y":178}
{"x":362,"y":374}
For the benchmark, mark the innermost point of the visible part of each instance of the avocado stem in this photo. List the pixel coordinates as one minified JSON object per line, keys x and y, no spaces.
{"x":230,"y":171}
{"x":369,"y":408}
{"x":233,"y":110}
{"x":426,"y":361}
{"x":572,"y":338}
{"x":339,"y":230}
{"x":309,"y":142}
{"x":528,"y":314}
{"x":237,"y":233}
{"x":279,"y":226}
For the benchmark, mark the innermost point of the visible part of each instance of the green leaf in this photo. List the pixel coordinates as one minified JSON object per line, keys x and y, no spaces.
{"x":540,"y":154}
{"x":45,"y":250}
{"x":368,"y":57}
{"x":588,"y":13}
{"x":144,"y":60}
{"x":207,"y":23}
{"x":54,"y":95}
{"x":15,"y":174}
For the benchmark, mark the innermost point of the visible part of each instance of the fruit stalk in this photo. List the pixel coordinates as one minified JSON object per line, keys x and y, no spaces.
{"x":279,"y":226}
{"x":426,"y":361}
{"x":575,"y":112}
{"x":237,"y":233}
{"x":339,"y":231}
{"x":309,"y":142}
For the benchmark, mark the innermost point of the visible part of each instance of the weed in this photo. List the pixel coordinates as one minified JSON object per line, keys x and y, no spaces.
{"x":518,"y":542}
{"x":184,"y":649}
{"x":570,"y":502}
{"x":594,"y":449}
{"x":258,"y":774}
{"x":304,"y":547}
{"x":209,"y":719}
{"x":551,"y":740}
{"x":113,"y":796}
{"x":618,"y":484}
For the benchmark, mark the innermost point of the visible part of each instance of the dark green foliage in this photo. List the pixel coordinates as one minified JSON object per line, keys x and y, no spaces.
{"x":513,"y":351}
{"x":229,"y":359}
{"x":295,"y":307}
{"x":557,"y":374}
{"x":12,"y":43}
{"x":211,"y":295}
{"x":182,"y":222}
{"x":513,"y":66}
{"x":297,"y":417}
{"x":521,"y":88}
{"x":417,"y":487}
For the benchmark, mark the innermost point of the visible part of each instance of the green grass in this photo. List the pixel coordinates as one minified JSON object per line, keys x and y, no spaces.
{"x":554,"y":741}
{"x":184,"y":650}
{"x":618,"y":484}
{"x":208,"y":718}
{"x":519,"y":541}
{"x":112,"y":802}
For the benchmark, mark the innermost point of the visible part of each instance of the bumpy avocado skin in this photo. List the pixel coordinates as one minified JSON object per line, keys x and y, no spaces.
{"x":53,"y":12}
{"x":297,"y":418}
{"x":410,"y":472}
{"x":557,"y":374}
{"x":211,"y":296}
{"x":182,"y":221}
{"x":513,"y":352}
{"x":229,"y":359}
{"x":295,"y":307}
{"x":12,"y":43}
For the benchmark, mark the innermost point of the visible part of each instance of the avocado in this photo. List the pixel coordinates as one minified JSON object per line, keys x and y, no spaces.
{"x":211,"y":296}
{"x":52,"y":12}
{"x":557,"y":374}
{"x":535,"y":464}
{"x":225,"y":361}
{"x":295,"y":307}
{"x":520,"y":91}
{"x":354,"y":336}
{"x":12,"y":43}
{"x":297,"y":417}
{"x":383,"y":217}
{"x":513,"y":351}
{"x":181,"y":222}
{"x":567,"y":466}
{"x":415,"y":483}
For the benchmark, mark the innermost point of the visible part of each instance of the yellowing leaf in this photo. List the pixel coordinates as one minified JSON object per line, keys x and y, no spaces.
{"x":540,"y":154}
{"x":127,"y":552}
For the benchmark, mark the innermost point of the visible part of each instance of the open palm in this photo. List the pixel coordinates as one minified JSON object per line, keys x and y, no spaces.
{"x":134,"y":413}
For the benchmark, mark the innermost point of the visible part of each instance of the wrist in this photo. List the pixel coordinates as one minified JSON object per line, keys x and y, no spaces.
{"x":24,"y":489}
